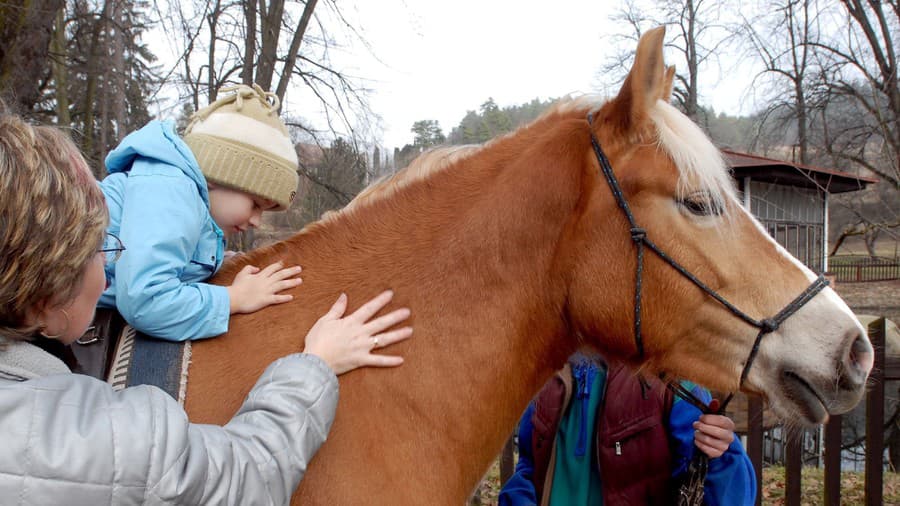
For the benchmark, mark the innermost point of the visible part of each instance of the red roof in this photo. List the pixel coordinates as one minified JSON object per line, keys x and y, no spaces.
{"x":771,"y":170}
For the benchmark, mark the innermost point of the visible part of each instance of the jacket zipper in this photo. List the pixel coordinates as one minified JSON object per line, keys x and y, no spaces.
{"x":584,"y":377}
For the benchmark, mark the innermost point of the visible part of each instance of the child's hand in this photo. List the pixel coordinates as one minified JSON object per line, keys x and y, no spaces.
{"x":347,"y":343}
{"x":713,"y":434}
{"x":254,"y":289}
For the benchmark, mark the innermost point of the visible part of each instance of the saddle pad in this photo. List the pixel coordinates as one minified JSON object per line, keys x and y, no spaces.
{"x":142,"y":360}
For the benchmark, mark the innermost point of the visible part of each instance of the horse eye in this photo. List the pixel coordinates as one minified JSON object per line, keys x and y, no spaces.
{"x":700,"y":204}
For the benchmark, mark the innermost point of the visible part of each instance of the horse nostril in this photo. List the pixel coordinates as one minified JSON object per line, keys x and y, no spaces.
{"x":860,"y":358}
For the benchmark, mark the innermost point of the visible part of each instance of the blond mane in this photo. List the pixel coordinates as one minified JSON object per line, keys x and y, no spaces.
{"x":700,"y":163}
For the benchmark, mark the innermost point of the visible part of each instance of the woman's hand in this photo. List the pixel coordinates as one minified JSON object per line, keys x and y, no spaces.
{"x":713,"y":434}
{"x":254,"y":289}
{"x":347,"y":343}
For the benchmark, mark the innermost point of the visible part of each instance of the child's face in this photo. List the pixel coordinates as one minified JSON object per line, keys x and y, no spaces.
{"x":235,"y":211}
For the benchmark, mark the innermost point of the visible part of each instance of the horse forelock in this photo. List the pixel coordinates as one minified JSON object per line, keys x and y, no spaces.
{"x":700,"y":164}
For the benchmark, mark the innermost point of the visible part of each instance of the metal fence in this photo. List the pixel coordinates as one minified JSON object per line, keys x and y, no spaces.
{"x":885,"y":369}
{"x":852,"y":268}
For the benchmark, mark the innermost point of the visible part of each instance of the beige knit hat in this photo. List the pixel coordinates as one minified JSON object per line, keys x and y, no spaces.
{"x":240,"y":142}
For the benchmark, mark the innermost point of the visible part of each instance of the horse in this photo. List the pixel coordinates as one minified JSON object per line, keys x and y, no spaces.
{"x":513,"y":255}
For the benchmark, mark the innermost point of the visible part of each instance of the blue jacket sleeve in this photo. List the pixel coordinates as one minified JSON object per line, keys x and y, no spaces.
{"x":730,"y":479}
{"x":519,"y":489}
{"x":162,"y":219}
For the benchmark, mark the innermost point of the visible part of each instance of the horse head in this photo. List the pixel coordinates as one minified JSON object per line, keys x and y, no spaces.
{"x":811,"y":362}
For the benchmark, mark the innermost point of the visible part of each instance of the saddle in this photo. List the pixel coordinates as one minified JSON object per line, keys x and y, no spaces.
{"x":94,"y":350}
{"x":114,"y":352}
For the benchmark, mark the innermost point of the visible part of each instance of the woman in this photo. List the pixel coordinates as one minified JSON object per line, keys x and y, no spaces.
{"x":70,"y":439}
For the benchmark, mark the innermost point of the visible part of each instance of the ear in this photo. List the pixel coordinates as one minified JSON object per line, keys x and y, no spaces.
{"x":667,"y":86}
{"x":646,"y":82}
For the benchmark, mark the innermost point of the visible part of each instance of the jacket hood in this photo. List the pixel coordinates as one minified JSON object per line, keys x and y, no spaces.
{"x":21,"y":360}
{"x":157,"y":141}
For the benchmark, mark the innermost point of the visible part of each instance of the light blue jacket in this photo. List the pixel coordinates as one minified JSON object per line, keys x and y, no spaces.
{"x":159,"y":207}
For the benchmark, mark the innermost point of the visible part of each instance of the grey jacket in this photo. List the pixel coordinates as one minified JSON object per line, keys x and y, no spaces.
{"x":68,"y":439}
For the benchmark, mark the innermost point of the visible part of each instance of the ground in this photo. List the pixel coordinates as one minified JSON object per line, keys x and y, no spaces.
{"x":873,"y":297}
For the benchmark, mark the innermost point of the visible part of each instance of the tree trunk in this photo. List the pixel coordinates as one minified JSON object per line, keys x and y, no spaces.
{"x":249,"y":42}
{"x":294,"y":50}
{"x":213,"y":20}
{"x":26,"y":29}
{"x":119,"y":105}
{"x":90,"y":99}
{"x":58,"y":55}
{"x":271,"y":29}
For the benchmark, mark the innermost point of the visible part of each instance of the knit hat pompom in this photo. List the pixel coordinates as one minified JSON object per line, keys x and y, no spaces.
{"x":240,"y":142}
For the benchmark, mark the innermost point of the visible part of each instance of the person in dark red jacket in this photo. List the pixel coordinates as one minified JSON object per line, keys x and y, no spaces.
{"x":596,"y":434}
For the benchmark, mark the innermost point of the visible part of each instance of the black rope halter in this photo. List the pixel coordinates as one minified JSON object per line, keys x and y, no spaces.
{"x":639,"y":236}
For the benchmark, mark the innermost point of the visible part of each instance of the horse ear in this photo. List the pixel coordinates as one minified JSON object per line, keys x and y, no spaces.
{"x":667,"y":87}
{"x":647,"y":81}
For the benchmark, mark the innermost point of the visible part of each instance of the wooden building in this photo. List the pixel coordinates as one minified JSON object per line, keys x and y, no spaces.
{"x":791,"y":201}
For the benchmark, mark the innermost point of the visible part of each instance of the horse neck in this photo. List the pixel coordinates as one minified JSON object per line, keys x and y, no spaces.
{"x":471,"y":250}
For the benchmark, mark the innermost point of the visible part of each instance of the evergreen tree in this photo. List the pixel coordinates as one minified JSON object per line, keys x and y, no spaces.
{"x":428,"y":133}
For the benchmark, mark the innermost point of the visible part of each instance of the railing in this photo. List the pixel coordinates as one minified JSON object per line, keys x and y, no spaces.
{"x":852,"y":268}
{"x":883,"y":370}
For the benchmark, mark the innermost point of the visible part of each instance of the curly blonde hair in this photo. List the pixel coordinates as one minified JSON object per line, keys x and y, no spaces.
{"x":53,"y":220}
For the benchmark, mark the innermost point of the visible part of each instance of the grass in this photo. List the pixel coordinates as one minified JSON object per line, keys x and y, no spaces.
{"x":812,"y":487}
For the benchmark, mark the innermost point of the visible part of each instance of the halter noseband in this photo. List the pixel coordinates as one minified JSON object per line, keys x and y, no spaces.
{"x":639,"y":236}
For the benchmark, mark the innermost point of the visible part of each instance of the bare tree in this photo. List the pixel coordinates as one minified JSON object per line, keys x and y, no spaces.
{"x":862,"y":72}
{"x":280,"y":45}
{"x":693,"y":31}
{"x":782,"y":41}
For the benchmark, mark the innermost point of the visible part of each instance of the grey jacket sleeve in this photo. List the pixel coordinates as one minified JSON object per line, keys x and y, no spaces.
{"x":259,"y":456}
{"x":73,"y":440}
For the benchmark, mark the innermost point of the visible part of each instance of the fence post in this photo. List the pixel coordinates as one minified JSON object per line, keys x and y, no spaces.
{"x":833,"y":442}
{"x":755,"y":440}
{"x":506,"y":461}
{"x":875,"y":417}
{"x":793,"y":468}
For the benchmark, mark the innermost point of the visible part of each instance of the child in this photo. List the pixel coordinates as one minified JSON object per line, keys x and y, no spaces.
{"x":173,"y":202}
{"x":71,"y":439}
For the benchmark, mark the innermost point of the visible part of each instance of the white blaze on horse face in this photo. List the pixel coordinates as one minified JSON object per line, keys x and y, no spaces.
{"x":813,"y":347}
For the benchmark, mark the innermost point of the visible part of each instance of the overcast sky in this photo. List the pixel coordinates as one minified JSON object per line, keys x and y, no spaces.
{"x":441,"y":59}
{"x":437,"y":60}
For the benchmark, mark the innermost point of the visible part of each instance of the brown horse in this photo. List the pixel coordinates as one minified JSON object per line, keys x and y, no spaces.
{"x":513,"y":255}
